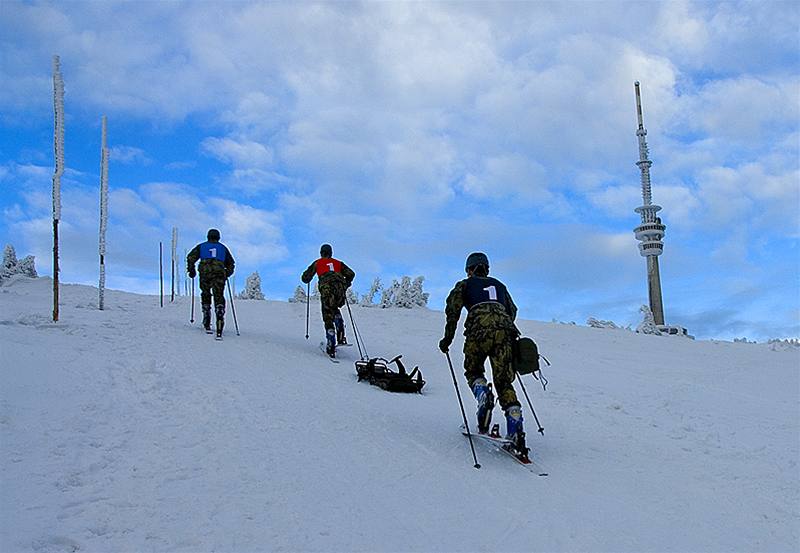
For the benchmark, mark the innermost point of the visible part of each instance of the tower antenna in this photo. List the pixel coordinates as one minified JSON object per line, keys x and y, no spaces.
{"x":650,"y":232}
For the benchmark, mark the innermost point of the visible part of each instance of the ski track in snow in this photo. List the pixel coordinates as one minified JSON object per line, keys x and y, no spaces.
{"x":131,"y":430}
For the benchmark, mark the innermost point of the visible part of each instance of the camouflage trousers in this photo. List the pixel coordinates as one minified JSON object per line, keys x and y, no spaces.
{"x":332,"y":297}
{"x":211,"y":282}
{"x":497,"y":346}
{"x":330,"y":305}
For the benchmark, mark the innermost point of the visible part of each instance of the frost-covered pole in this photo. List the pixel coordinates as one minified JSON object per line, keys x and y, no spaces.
{"x":183,"y":271}
{"x":58,"y":148}
{"x":103,"y":213}
{"x":174,"y":252}
{"x":161,"y":270}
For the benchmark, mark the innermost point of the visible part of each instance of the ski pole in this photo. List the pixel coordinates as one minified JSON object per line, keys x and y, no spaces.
{"x":356,"y":333}
{"x":463,"y":414}
{"x":308,"y":305}
{"x":191,"y":319}
{"x":541,"y":428}
{"x":233,"y":307}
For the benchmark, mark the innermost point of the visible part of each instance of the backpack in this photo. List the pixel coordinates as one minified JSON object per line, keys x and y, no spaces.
{"x":377,"y":372}
{"x":526,"y":356}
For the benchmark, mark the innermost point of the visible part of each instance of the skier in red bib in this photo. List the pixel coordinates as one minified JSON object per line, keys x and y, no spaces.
{"x":334,"y":279}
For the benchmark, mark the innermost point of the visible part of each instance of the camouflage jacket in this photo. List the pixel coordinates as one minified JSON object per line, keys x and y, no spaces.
{"x":211,"y":265}
{"x":497,"y":311}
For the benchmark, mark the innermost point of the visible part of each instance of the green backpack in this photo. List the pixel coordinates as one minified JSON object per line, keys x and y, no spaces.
{"x":526,"y":356}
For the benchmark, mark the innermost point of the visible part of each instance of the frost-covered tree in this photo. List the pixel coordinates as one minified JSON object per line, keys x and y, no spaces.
{"x":11,"y":266}
{"x":315,"y":292}
{"x":27,"y":267}
{"x":252,"y":288}
{"x":404,"y":294}
{"x":648,"y":324}
{"x":299,"y":295}
{"x":9,"y":262}
{"x":352,"y":297}
{"x":387,"y":295}
{"x":418,"y":297}
{"x":368,"y":298}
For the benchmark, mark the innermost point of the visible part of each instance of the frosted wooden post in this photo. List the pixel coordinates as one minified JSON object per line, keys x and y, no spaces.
{"x":174,"y":246}
{"x":58,"y":148}
{"x":103,"y":214}
{"x":161,"y":270}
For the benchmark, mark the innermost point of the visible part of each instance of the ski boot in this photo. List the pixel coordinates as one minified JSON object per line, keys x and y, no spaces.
{"x":330,"y":348}
{"x":515,"y":432}
{"x":220,"y":320}
{"x":207,"y":317}
{"x":338,"y":322}
{"x":483,"y":393}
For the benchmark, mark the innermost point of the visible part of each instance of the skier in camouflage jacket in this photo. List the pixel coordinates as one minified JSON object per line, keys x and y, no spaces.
{"x":216,"y":265}
{"x":489,"y":331}
{"x":335,"y":277}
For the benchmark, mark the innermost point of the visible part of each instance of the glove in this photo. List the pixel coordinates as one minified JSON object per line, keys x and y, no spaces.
{"x":192,"y":273}
{"x":444,"y":345}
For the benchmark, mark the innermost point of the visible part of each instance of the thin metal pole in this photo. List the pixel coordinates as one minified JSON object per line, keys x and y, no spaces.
{"x":191,"y":319}
{"x":524,"y":391}
{"x":356,"y":333}
{"x":233,"y":307}
{"x":463,"y":413}
{"x":161,"y":270}
{"x":308,"y":305}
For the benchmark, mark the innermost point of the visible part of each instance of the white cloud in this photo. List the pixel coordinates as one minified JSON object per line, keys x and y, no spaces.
{"x":240,"y":153}
{"x":128,"y":155}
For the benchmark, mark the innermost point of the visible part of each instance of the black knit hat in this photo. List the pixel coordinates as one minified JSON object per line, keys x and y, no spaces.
{"x":326,"y":250}
{"x":213,"y":234}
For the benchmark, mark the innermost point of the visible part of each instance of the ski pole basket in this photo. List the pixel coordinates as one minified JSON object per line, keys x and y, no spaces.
{"x":377,"y":372}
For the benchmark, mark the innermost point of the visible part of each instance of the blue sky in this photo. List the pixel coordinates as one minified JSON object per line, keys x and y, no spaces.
{"x":410,"y":134}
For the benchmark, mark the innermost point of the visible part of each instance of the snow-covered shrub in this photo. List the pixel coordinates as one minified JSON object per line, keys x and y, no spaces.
{"x":252,"y":288}
{"x":405,"y":294}
{"x":27,"y":267}
{"x":777,"y":345}
{"x":11,"y":266}
{"x":418,"y":297}
{"x":299,"y":295}
{"x":368,"y":298}
{"x":352,"y":297}
{"x":648,"y":324}
{"x":598,"y":323}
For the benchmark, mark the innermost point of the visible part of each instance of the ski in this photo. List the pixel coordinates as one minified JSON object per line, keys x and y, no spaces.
{"x":218,"y":338}
{"x":324,"y":348}
{"x":506,"y":446}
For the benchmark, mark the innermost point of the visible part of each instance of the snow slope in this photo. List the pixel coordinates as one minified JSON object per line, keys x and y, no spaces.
{"x":131,"y":430}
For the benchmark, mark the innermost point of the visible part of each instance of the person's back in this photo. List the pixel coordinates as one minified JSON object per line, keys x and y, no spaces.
{"x":216,"y":265}
{"x":489,"y":331}
{"x":334,"y":277}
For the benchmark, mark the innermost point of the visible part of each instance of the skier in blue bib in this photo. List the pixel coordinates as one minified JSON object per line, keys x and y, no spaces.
{"x":489,"y":332}
{"x":216,"y":265}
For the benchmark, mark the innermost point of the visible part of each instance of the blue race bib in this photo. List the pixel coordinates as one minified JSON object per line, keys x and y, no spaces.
{"x":213,"y":250}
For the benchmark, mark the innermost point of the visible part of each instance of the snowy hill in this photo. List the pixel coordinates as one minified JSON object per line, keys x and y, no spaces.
{"x":131,"y":430}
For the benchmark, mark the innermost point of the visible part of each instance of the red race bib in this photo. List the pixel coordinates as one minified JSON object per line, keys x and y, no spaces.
{"x":327,"y":265}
